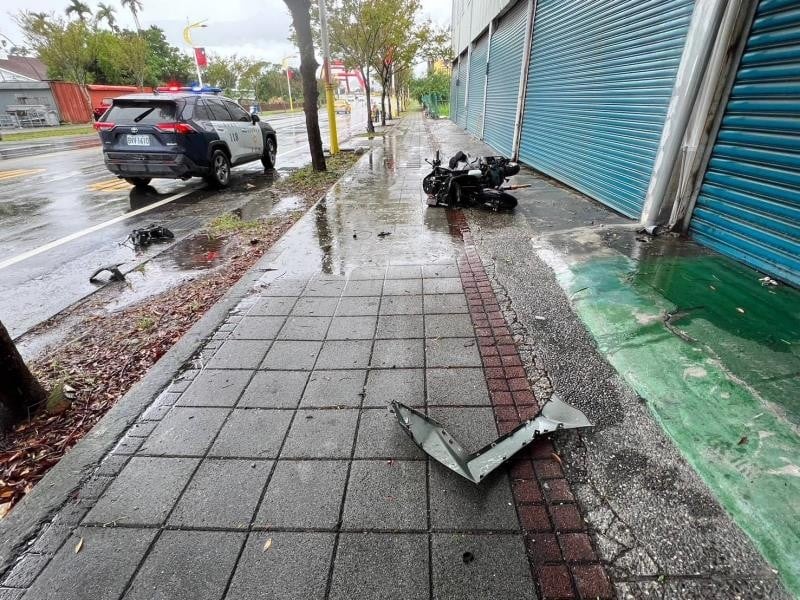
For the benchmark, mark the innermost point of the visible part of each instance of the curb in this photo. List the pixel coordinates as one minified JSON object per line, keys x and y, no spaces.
{"x":63,"y":479}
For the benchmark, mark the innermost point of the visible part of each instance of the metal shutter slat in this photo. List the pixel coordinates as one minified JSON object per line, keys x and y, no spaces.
{"x":477,"y":85}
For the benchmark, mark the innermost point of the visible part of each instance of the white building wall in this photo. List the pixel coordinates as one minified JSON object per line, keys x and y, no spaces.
{"x":470,"y":17}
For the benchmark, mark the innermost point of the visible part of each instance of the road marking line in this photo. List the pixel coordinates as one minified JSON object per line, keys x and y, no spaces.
{"x":18,"y":173}
{"x":110,"y":185}
{"x":78,"y":234}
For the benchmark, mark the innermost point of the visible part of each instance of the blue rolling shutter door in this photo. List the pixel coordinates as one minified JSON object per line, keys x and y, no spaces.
{"x":453,"y":92}
{"x":461,"y":89}
{"x":477,"y":85}
{"x":502,"y":87}
{"x":749,"y":203}
{"x":599,"y":83}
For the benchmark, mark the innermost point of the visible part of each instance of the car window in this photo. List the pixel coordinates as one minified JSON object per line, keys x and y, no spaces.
{"x":237,"y":112}
{"x":201,"y":112}
{"x":145,"y":112}
{"x":218,"y":111}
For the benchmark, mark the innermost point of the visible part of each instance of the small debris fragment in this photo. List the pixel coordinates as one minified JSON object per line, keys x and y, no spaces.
{"x":741,"y":310}
{"x":768,"y":281}
{"x":540,"y":318}
{"x":355,"y":236}
{"x":268,"y":544}
{"x":467,"y":557}
{"x":116,"y":274}
{"x":743,"y":441}
{"x":79,"y":546}
{"x":557,"y":458}
{"x":384,"y":233}
{"x":255,"y":242}
{"x":309,"y":416}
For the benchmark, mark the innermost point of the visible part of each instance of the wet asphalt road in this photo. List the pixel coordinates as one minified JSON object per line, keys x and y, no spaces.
{"x":45,"y":198}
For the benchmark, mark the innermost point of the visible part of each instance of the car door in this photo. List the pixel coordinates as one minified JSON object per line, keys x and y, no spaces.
{"x":249,"y":132}
{"x":226,"y":128}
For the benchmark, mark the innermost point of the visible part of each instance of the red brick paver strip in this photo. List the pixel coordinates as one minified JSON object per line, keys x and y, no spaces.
{"x":561,"y":553}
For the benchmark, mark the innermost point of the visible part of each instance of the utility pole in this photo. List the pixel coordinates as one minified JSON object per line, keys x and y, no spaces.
{"x":326,"y":69}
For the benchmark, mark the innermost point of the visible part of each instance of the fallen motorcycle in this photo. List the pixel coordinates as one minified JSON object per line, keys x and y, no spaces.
{"x":479,"y":182}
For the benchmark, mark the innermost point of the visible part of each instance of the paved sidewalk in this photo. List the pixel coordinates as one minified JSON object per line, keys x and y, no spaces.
{"x":272,"y":467}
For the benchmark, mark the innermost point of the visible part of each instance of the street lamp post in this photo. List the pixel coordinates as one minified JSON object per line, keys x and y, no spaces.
{"x":187,"y":37}
{"x":326,"y":68}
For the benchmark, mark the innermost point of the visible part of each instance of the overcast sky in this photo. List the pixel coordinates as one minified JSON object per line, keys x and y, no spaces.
{"x":258,"y":29}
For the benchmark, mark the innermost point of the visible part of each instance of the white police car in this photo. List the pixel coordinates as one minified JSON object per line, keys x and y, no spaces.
{"x":178,"y":133}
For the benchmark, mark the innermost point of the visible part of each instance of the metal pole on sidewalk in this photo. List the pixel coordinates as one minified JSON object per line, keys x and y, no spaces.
{"x":326,"y":68}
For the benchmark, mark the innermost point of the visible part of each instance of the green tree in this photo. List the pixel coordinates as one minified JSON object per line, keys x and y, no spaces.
{"x":79,"y":9}
{"x":135,"y":6}
{"x":106,"y":12}
{"x":69,"y":49}
{"x":301,"y":23}
{"x":166,"y":63}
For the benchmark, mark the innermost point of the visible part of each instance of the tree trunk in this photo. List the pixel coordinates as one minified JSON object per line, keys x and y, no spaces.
{"x":389,"y":79}
{"x":20,"y":392}
{"x":383,"y":105}
{"x":370,"y":126}
{"x":301,"y":19}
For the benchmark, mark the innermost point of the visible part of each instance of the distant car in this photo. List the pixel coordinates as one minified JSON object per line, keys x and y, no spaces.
{"x":178,"y":133}
{"x":99,"y":110}
{"x":342,"y":107}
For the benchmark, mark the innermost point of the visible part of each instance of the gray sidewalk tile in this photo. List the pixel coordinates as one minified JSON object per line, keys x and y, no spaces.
{"x":187,"y":565}
{"x":500,"y":568}
{"x":144,"y":492}
{"x":257,"y":328}
{"x":460,"y":504}
{"x":402,"y":287}
{"x":222,"y":494}
{"x":321,"y":434}
{"x":474,"y":427}
{"x":274,"y":389}
{"x":362,"y":273}
{"x":369,"y":287}
{"x":440,"y":326}
{"x":315,"y":307}
{"x":325,"y":287}
{"x":429,"y":271}
{"x":284,"y":287}
{"x":185,"y":431}
{"x":239,"y":354}
{"x":304,"y":493}
{"x":457,"y":387}
{"x":11,"y":593}
{"x":100,"y":571}
{"x":398,"y":354}
{"x":252,"y":433}
{"x":399,"y":326}
{"x":404,"y":272}
{"x":360,"y":306}
{"x":352,"y":328}
{"x":388,"y":566}
{"x":334,"y":388}
{"x":452,"y":352}
{"x":291,"y":356}
{"x":403,"y":385}
{"x":386,"y":495}
{"x":273,"y":307}
{"x":401,"y":305}
{"x":26,"y":570}
{"x":305,"y":328}
{"x":296,"y":565}
{"x":379,"y":436}
{"x":215,"y":388}
{"x":445,"y":304}
{"x":443,"y":285}
{"x":349,"y":354}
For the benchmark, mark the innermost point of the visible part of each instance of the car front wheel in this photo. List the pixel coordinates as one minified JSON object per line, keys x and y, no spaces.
{"x":220,"y":175}
{"x":139,"y":182}
{"x":270,"y":153}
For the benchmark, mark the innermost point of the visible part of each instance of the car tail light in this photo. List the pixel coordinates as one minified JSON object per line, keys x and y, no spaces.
{"x":175,"y":128}
{"x":104,"y":126}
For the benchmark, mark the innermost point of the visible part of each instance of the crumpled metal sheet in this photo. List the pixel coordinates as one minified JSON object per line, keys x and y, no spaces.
{"x":434,"y":439}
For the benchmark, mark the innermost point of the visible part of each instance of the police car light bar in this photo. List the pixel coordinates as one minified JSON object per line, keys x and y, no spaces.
{"x":196,"y":89}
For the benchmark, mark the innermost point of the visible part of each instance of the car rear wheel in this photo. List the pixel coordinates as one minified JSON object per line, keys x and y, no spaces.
{"x":220,"y":175}
{"x":270,"y":153}
{"x":139,"y":182}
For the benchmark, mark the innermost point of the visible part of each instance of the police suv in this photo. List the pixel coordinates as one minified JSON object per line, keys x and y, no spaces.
{"x":181,"y":132}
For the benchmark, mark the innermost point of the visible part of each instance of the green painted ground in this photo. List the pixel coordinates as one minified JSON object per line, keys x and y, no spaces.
{"x":722,"y":376}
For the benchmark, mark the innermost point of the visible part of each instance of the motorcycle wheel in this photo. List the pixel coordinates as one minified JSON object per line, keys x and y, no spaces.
{"x":429,"y":184}
{"x":497,"y":200}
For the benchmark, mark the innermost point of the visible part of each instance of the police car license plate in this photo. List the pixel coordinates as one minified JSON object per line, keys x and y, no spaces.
{"x":137,"y":140}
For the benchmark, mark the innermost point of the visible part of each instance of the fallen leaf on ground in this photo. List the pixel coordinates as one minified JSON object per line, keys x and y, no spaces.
{"x":268,"y":544}
{"x":79,"y":546}
{"x":557,"y":457}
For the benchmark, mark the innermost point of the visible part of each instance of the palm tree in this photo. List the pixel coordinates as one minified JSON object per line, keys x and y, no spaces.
{"x":106,"y":12}
{"x":78,"y":8}
{"x":135,"y":7}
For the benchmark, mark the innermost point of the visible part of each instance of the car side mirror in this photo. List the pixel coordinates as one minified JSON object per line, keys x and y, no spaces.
{"x":255,"y":118}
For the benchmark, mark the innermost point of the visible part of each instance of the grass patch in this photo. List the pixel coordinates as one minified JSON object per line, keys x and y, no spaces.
{"x":230,"y":223}
{"x":310,"y":183}
{"x":34,"y":134}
